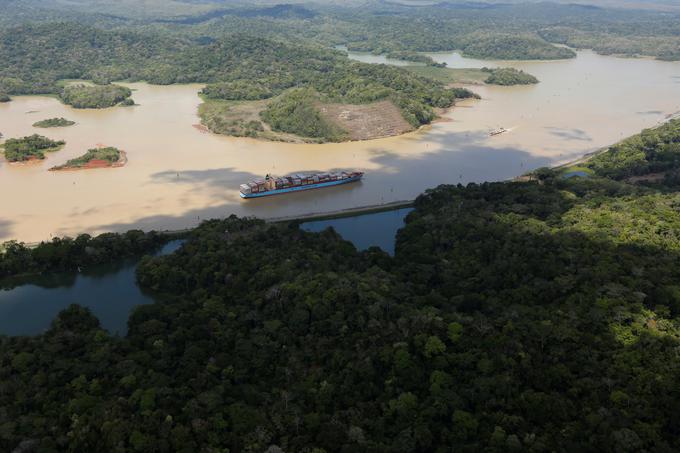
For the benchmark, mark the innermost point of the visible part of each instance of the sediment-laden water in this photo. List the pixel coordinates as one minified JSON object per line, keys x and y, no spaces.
{"x":177,"y":175}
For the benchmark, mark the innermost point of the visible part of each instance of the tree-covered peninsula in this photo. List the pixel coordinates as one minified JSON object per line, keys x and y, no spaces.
{"x":4,"y":98}
{"x":508,"y":77}
{"x":32,"y":147}
{"x":514,"y":316}
{"x":54,"y":122}
{"x":82,"y":96}
{"x":291,"y":85}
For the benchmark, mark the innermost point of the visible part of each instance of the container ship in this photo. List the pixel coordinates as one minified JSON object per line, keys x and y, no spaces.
{"x":273,"y":185}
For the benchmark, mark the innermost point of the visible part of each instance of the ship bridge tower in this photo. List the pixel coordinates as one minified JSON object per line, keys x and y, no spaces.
{"x":269,"y":182}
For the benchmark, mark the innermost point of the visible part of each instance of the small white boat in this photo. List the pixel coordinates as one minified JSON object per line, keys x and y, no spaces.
{"x":497,"y":131}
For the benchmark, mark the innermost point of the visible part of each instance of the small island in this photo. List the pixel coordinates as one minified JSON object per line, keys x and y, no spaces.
{"x":82,"y":96}
{"x":107,"y":157}
{"x":29,"y":148}
{"x":4,"y":97}
{"x":508,"y":77}
{"x":54,"y":122}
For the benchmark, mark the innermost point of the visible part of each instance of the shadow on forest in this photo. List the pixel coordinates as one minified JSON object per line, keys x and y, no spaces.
{"x":540,"y":315}
{"x":634,"y":271}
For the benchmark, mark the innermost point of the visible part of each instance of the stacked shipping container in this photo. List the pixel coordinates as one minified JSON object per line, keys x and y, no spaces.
{"x":272,"y":185}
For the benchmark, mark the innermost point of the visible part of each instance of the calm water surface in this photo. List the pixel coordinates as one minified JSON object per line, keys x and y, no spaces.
{"x":367,"y":230}
{"x":109,"y":291}
{"x":177,"y":175}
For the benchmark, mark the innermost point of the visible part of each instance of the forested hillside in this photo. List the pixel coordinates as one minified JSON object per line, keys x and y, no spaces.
{"x":36,"y":57}
{"x":516,"y":316}
{"x":257,"y":53}
{"x":236,"y":67}
{"x":516,"y":31}
{"x":527,"y":30}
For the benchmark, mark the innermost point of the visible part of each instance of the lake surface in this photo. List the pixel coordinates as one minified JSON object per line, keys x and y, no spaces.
{"x":177,"y":175}
{"x":109,"y":291}
{"x":364,"y":231}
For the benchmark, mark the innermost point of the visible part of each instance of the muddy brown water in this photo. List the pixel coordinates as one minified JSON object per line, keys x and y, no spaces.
{"x":177,"y":175}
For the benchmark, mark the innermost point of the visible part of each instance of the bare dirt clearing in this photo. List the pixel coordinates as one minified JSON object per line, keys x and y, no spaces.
{"x":366,"y":121}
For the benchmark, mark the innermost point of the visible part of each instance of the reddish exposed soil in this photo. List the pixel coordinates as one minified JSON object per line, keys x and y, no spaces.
{"x":96,"y":163}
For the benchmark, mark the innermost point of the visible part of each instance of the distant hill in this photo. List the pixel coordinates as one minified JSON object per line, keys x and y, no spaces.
{"x":664,"y":5}
{"x":282,"y":11}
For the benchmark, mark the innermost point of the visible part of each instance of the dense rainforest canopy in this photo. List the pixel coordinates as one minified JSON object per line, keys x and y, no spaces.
{"x":515,"y":316}
{"x":501,"y":30}
{"x":655,"y":151}
{"x":67,"y":254}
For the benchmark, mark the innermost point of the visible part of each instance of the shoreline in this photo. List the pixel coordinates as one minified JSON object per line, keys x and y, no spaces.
{"x":121,"y":162}
{"x":284,"y":137}
{"x":343,"y":213}
{"x":587,"y":156}
{"x":32,"y":160}
{"x":359,"y":210}
{"x":394,"y":205}
{"x":310,"y":217}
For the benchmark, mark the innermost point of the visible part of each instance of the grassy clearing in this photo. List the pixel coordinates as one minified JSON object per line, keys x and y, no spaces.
{"x":240,"y":119}
{"x":451,"y":75}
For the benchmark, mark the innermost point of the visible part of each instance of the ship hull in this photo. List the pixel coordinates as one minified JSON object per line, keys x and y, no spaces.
{"x":319,"y":185}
